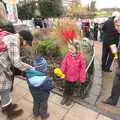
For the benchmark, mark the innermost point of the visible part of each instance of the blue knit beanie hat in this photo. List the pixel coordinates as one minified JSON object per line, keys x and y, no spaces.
{"x":40,"y":64}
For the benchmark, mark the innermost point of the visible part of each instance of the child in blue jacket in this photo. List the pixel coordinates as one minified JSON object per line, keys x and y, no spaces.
{"x":39,"y":83}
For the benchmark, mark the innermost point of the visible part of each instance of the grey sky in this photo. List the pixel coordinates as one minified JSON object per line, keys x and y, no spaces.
{"x":104,"y":3}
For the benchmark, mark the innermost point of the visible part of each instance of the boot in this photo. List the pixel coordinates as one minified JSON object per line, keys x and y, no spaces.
{"x":69,"y":101}
{"x":13,"y":107}
{"x":35,"y":110}
{"x":11,"y":112}
{"x":109,"y":102}
{"x":64,"y":100}
{"x":45,"y":117}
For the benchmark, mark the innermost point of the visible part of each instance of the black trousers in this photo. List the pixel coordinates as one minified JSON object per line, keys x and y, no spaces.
{"x":115,"y":93}
{"x":107,"y":56}
{"x":95,"y":34}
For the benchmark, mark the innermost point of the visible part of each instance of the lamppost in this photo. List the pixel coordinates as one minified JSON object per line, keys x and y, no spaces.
{"x":37,"y":11}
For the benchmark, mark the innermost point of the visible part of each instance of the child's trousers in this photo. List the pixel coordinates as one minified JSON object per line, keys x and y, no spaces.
{"x":69,"y":88}
{"x":40,"y":100}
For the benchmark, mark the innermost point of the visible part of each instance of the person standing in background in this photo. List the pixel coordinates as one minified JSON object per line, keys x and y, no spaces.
{"x":110,"y":37}
{"x":115,"y":93}
{"x":95,"y":31}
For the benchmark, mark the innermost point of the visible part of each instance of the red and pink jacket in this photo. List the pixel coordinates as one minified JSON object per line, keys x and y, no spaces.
{"x":2,"y":45}
{"x":74,"y":68}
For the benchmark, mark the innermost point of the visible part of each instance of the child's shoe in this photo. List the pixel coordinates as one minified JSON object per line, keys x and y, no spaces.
{"x":69,"y":101}
{"x":35,"y":111}
{"x":45,"y":117}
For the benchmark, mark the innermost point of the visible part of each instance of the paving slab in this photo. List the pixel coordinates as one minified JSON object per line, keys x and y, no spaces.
{"x":56,"y":99}
{"x":18,"y":93}
{"x":96,"y":89}
{"x":2,"y":116}
{"x":101,"y":117}
{"x":91,"y":99}
{"x":28,"y":97}
{"x":56,"y":112}
{"x":115,"y":110}
{"x":79,"y":112}
{"x":34,"y":118}
{"x":17,"y":80}
{"x":27,"y":109}
{"x":23,"y":84}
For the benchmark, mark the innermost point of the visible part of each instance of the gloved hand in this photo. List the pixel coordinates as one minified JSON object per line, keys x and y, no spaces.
{"x":114,"y":51}
{"x":84,"y":83}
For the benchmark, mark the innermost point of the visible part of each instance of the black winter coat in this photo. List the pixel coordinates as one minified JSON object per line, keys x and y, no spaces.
{"x":111,"y":35}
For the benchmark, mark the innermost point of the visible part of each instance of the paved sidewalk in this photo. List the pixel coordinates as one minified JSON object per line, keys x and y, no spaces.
{"x":22,"y":97}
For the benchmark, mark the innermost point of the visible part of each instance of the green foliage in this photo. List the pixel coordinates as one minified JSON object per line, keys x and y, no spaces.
{"x":103,"y":14}
{"x":47,"y":8}
{"x":25,"y":10}
{"x":48,"y":48}
{"x":50,"y":8}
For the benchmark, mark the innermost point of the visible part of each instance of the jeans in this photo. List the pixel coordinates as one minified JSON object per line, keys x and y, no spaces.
{"x":40,"y":100}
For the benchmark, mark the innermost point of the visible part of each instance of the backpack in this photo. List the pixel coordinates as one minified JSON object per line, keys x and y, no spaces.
{"x":3,"y":48}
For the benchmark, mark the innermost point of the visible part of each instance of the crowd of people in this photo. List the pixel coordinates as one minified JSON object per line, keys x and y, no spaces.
{"x":86,"y":26}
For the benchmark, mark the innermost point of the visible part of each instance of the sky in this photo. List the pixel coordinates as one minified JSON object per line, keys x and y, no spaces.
{"x":104,"y":3}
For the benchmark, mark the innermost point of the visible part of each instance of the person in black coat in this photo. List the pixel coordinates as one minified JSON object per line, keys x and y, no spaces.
{"x":115,"y":92}
{"x":110,"y":37}
{"x":95,"y":31}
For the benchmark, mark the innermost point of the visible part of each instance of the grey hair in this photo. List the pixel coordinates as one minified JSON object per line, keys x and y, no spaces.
{"x":117,"y":19}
